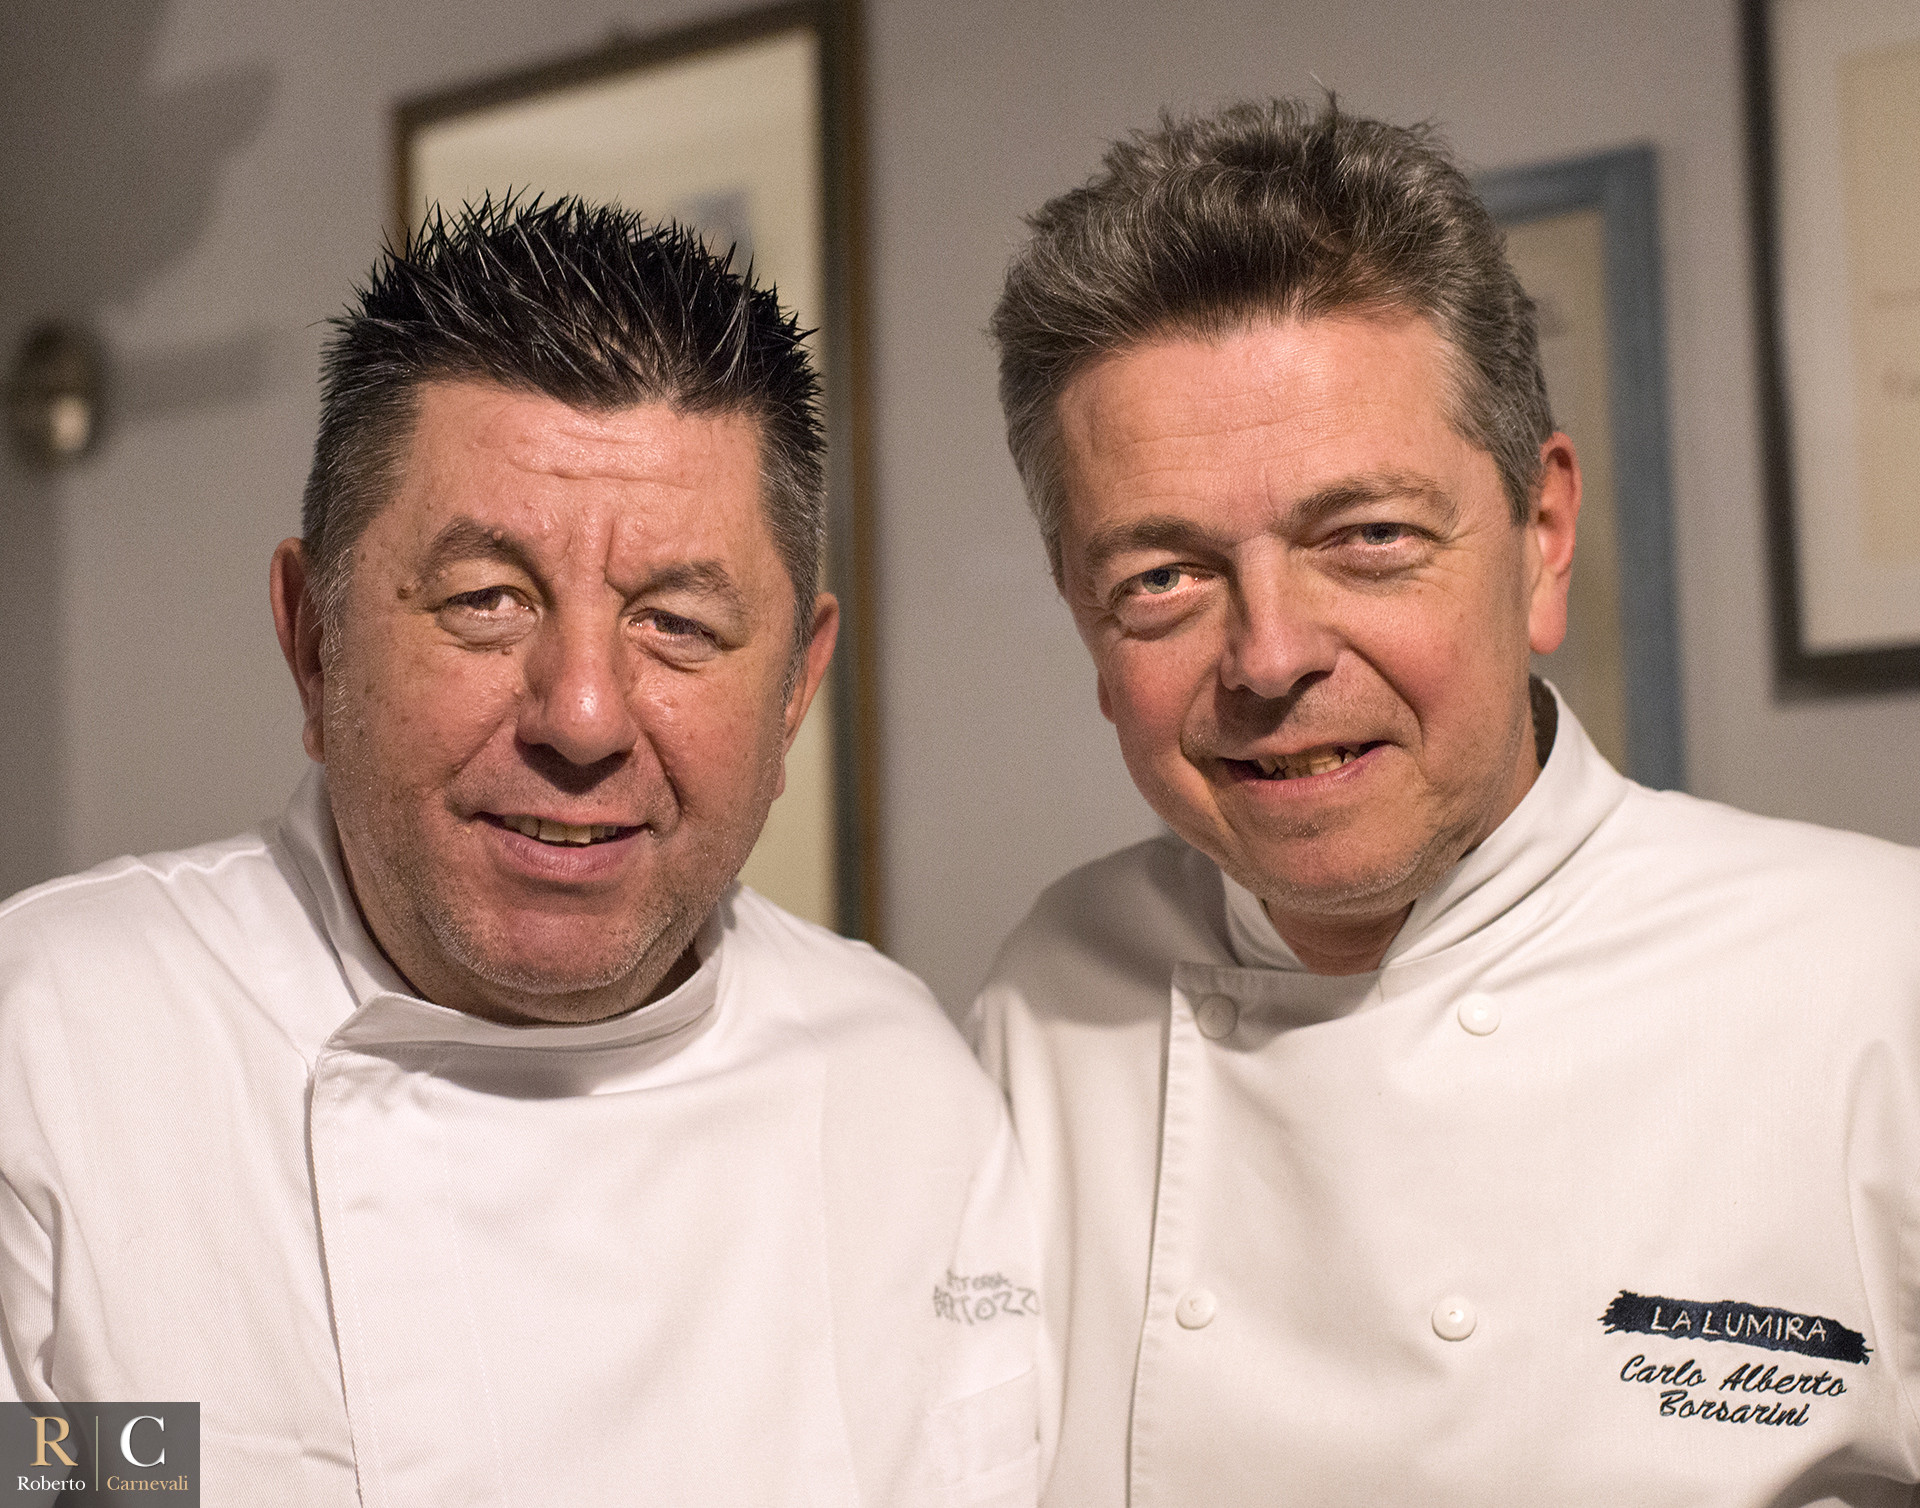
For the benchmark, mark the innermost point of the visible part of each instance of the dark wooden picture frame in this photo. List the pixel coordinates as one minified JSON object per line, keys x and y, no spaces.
{"x":1623,"y":187}
{"x":1799,"y":670}
{"x":843,"y":331}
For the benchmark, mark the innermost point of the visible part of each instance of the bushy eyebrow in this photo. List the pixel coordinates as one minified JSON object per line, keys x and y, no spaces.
{"x":705,"y":578}
{"x":1159,"y":531}
{"x":1373,"y":487}
{"x":467,"y":538}
{"x":1173,"y":531}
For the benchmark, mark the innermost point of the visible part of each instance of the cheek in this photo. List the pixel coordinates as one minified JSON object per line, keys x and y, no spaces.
{"x":1421,"y":659}
{"x":1151,"y":688}
{"x":714,"y":738}
{"x":423,"y":711}
{"x":1452,"y":666}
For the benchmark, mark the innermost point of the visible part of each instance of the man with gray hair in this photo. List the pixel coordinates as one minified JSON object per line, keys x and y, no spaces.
{"x":1436,"y":1117}
{"x":469,"y":1136}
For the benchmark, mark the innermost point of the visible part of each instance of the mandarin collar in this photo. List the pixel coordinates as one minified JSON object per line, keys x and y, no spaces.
{"x":1575,"y":792}
{"x":388,"y":1012}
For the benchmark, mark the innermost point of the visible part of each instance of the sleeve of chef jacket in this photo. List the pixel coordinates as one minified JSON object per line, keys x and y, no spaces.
{"x":1862,"y":982}
{"x":999,"y":1202}
{"x":931,"y":1232}
{"x":985,"y":1029}
{"x":26,"y":1297}
{"x":26,"y":1248}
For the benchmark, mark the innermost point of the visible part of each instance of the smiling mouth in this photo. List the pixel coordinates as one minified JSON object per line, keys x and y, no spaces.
{"x":563,"y":834}
{"x":1321,"y":761}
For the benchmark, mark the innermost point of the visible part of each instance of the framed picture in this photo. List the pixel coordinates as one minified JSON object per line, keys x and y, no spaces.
{"x":1583,"y":237}
{"x":1833,"y":101}
{"x":747,"y":130}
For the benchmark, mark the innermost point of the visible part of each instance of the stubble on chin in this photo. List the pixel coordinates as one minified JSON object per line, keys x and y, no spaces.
{"x":638,"y":946}
{"x":485,"y":950}
{"x":1308,"y":867}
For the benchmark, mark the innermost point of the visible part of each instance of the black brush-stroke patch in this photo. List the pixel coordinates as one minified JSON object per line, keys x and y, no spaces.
{"x":1743,"y":1324}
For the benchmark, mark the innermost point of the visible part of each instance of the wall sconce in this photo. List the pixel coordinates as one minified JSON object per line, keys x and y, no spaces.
{"x":54,"y":396}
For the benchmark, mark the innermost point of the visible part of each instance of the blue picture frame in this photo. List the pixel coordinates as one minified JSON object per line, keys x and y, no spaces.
{"x":1623,"y":185}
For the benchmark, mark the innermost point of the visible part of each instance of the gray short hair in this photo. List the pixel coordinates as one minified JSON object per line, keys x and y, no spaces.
{"x":594,"y":306}
{"x":1267,"y":210}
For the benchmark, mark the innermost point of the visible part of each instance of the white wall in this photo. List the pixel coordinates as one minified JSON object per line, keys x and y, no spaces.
{"x":207,"y":177}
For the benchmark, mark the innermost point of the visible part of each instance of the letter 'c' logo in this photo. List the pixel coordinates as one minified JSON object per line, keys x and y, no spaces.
{"x":126,"y":1443}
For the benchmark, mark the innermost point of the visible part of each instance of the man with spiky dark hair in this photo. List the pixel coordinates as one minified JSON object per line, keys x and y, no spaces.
{"x":469,"y":1135}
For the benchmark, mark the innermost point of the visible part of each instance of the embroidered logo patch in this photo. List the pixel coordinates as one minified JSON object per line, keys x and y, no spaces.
{"x":1691,"y":1320}
{"x":973,"y":1299}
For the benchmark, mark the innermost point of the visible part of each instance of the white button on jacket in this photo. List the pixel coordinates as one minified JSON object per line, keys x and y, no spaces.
{"x":1454,"y":1319}
{"x":1216,"y":1016}
{"x":1480,"y":1014}
{"x":1604,"y":1189}
{"x":1196,"y":1309}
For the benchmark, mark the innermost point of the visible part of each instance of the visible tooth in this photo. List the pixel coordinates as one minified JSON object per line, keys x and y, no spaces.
{"x":1268,"y":764}
{"x":603,"y":830}
{"x":1321,"y":763}
{"x":529,"y":826}
{"x":563,"y":832}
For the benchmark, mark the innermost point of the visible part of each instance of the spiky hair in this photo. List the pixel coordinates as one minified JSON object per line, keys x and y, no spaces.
{"x":591,"y":305}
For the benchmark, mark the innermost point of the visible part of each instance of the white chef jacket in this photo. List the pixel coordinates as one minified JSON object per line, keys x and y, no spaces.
{"x":761,"y":1242}
{"x":1603,"y":1189}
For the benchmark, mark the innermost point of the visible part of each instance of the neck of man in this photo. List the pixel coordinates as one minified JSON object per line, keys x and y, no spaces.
{"x":1358,"y":944}
{"x":1343,"y":945}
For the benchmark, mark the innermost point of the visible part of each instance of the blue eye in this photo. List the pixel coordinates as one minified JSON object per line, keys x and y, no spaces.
{"x":1381,"y":534}
{"x":1159,"y":580}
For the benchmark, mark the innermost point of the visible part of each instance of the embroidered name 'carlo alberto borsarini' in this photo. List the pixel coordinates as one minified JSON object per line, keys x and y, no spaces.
{"x":1751,"y":1393}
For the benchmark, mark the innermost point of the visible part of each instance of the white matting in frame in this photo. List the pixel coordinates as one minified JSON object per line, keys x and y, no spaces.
{"x":1834,"y":94}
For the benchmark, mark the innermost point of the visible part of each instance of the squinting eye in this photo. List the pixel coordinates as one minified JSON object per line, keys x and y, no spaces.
{"x":488,"y":617}
{"x":685,"y":642}
{"x":673,"y":623}
{"x":489,"y":599}
{"x":1159,"y":580}
{"x":1381,"y":534}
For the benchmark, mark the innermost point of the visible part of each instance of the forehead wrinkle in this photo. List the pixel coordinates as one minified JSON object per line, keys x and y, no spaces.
{"x":578,"y":445}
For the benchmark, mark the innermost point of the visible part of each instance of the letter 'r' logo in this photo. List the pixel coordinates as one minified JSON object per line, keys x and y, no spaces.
{"x":43,"y":1442}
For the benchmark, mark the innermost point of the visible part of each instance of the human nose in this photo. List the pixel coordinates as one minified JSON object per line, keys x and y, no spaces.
{"x":1279,"y":640}
{"x":576,"y":703}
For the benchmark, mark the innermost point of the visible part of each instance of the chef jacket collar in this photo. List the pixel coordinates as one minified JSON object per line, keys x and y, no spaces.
{"x":1574,"y":794}
{"x":1251,"y":934}
{"x":388,"y":1011}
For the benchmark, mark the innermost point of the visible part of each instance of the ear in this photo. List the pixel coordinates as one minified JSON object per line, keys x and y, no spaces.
{"x":826,"y":632}
{"x":1549,"y":545}
{"x":296,"y":619}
